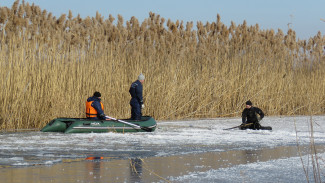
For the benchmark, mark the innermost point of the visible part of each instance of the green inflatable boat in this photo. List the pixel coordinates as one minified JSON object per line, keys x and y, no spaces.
{"x":84,"y":125}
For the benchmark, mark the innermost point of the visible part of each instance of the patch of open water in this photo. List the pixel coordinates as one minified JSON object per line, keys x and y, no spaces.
{"x":119,"y":167}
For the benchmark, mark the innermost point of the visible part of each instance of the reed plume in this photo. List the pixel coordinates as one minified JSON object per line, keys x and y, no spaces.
{"x":50,"y":65}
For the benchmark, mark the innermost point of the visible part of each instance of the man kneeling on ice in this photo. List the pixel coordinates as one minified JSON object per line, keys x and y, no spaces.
{"x":249,"y":117}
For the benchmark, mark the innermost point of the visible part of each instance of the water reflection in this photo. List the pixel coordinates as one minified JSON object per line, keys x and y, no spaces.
{"x":93,"y":170}
{"x":252,"y":155}
{"x":150,"y":169}
{"x":136,"y":170}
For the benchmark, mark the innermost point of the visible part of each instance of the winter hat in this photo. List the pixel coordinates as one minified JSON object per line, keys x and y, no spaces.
{"x":249,"y":103}
{"x":97,"y":94}
{"x":141,"y":77}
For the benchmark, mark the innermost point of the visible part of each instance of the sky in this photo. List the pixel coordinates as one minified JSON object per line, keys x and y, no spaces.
{"x":305,"y":17}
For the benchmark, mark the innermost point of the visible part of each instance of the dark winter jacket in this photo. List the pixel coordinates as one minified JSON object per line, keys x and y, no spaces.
{"x":249,"y":115}
{"x":136,"y":92}
{"x":97,"y":105}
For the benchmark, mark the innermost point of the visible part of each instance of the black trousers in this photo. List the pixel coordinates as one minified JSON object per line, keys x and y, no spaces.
{"x":135,"y":111}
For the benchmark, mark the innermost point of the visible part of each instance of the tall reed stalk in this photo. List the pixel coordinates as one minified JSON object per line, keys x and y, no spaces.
{"x":50,"y":65}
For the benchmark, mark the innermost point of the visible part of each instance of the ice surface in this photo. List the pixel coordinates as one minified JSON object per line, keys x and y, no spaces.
{"x":176,"y":138}
{"x":170,"y":138}
{"x":281,"y":170}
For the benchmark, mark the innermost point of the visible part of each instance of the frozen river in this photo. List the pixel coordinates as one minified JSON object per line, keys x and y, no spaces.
{"x":178,"y":151}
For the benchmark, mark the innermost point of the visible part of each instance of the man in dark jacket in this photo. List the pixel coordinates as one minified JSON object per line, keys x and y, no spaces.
{"x":250,"y":120}
{"x":95,"y":108}
{"x":137,"y":98}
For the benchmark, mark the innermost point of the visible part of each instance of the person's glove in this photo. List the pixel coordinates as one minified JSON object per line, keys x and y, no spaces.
{"x":102,"y":116}
{"x":142,"y":106}
{"x":259,"y":118}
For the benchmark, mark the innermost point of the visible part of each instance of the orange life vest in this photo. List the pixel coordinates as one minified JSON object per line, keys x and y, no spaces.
{"x":90,"y":111}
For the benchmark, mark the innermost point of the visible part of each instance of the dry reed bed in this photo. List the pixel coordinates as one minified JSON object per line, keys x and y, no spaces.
{"x":49,"y":66}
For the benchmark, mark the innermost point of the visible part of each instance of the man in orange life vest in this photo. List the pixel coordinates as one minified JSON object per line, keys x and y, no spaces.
{"x":95,"y":108}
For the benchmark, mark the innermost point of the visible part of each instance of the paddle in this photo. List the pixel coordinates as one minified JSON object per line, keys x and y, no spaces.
{"x":238,"y":126}
{"x":137,"y":127}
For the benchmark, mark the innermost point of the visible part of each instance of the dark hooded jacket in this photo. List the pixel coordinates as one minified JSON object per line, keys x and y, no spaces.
{"x":250,"y":115}
{"x":136,"y":93}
